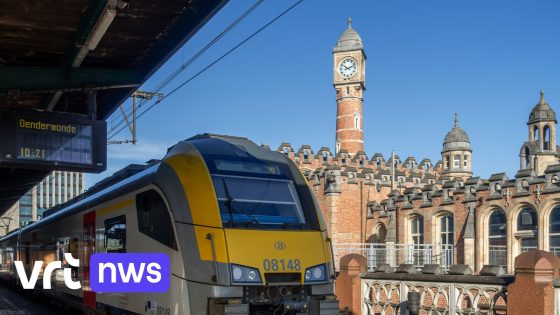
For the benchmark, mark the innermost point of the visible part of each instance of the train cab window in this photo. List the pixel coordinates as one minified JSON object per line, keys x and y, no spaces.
{"x":115,"y":235}
{"x":154,"y":219}
{"x":253,"y":200}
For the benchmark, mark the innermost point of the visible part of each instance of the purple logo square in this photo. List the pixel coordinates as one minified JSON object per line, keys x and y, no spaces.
{"x":131,"y":272}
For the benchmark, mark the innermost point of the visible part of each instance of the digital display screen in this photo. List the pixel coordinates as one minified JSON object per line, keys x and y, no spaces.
{"x":71,"y":143}
{"x":53,"y":140}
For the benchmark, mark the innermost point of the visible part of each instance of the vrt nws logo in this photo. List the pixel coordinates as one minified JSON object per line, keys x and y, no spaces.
{"x":279,"y":245}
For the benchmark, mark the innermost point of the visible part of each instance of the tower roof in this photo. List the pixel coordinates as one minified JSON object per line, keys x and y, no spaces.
{"x":349,"y":40}
{"x":457,"y":138}
{"x":542,"y":112}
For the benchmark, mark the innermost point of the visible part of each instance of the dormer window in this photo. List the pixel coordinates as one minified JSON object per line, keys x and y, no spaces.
{"x":361,"y":161}
{"x":286,"y":151}
{"x":305,"y":155}
{"x":427,"y":167}
{"x":411,"y":164}
{"x":378,"y":161}
{"x":343,"y":156}
{"x":325,"y":156}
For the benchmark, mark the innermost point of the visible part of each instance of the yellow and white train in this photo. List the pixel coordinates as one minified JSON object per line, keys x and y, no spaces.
{"x":243,"y":231}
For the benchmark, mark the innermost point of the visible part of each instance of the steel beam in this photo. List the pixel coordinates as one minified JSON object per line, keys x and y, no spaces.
{"x":52,"y":78}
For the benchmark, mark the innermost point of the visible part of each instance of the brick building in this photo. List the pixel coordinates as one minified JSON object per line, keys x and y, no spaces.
{"x":419,"y":212}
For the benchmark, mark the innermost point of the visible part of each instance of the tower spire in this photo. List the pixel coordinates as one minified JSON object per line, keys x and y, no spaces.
{"x":349,"y":22}
{"x":542,"y":101}
{"x":456,"y":120}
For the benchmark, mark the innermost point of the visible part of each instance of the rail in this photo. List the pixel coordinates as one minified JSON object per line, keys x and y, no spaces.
{"x":396,"y":254}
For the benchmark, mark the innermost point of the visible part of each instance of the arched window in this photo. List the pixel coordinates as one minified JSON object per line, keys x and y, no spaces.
{"x":527,"y":158}
{"x":343,"y":156}
{"x":536,"y":133}
{"x":325,"y":156}
{"x":286,"y":151}
{"x":379,"y":235}
{"x":357,"y":121}
{"x":417,"y":235}
{"x":417,"y":229}
{"x":378,"y":162}
{"x":446,"y":229}
{"x":305,"y":155}
{"x":527,"y":223}
{"x":554,"y":231}
{"x":546,"y":137}
{"x":497,"y":238}
{"x":427,"y":167}
{"x":337,"y":147}
{"x":361,"y":162}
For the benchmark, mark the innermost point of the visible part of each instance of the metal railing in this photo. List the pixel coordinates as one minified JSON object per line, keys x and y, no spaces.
{"x":396,"y":254}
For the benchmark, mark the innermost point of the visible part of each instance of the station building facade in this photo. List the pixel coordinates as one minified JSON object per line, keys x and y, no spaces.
{"x":380,"y":199}
{"x":58,"y":187}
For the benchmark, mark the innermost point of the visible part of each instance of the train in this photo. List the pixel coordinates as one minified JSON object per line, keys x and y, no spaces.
{"x":242,"y":229}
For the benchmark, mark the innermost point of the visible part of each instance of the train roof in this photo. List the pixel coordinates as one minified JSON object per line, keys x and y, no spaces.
{"x":135,"y":176}
{"x":131,"y":183}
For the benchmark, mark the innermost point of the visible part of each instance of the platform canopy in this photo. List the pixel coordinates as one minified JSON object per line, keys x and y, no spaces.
{"x":84,"y":57}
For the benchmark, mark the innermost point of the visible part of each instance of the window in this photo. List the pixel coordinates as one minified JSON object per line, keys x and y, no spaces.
{"x":305,"y":155}
{"x":497,"y":241}
{"x":417,"y":234}
{"x":260,"y":201}
{"x":527,"y":158}
{"x":536,"y":133}
{"x":115,"y":235}
{"x":154,"y":219}
{"x":546,"y":137}
{"x":427,"y":167}
{"x":378,"y":162}
{"x":337,"y":147}
{"x":411,"y":165}
{"x":554,"y":231}
{"x":446,"y":161}
{"x":527,"y":222}
{"x":465,"y":159}
{"x":343,"y":158}
{"x":325,"y":157}
{"x":357,"y":121}
{"x":361,"y":161}
{"x":417,"y":229}
{"x":456,"y":161}
{"x":446,"y":229}
{"x":286,"y":151}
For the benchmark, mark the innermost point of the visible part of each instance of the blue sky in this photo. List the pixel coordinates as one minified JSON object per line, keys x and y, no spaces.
{"x":486,"y":60}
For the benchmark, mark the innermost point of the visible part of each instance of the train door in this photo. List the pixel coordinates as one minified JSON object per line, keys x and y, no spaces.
{"x":88,"y":249}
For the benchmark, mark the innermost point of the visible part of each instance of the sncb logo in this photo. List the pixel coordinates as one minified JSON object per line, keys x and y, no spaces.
{"x":134,"y":272}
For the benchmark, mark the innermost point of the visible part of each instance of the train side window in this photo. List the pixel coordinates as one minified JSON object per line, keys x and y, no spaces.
{"x":115,"y":235}
{"x":154,"y":219}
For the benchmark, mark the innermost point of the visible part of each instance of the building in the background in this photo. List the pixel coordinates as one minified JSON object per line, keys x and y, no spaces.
{"x":431,"y":213}
{"x":58,"y":187}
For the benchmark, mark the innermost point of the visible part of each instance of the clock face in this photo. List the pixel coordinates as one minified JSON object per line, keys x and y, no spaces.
{"x":347,"y":67}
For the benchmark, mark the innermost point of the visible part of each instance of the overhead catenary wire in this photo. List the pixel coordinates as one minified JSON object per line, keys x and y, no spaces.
{"x":186,"y":64}
{"x":212,"y":64}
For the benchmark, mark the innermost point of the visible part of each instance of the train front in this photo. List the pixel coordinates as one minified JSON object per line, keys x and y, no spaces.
{"x":260,"y":234}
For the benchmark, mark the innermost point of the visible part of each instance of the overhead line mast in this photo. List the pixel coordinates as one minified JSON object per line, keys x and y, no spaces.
{"x":139,"y":94}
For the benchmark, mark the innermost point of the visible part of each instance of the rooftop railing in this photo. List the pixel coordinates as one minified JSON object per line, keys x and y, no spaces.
{"x":395,"y":254}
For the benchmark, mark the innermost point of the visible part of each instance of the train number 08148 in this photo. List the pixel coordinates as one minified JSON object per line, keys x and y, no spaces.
{"x":282,"y":265}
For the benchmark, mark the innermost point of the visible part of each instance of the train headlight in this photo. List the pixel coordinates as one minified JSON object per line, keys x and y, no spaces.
{"x":242,"y":274}
{"x":316,"y":274}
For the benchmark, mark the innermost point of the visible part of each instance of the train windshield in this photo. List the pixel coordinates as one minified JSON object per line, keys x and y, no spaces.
{"x":257,"y":200}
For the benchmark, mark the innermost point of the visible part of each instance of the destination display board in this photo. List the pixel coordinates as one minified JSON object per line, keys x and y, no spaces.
{"x":46,"y":140}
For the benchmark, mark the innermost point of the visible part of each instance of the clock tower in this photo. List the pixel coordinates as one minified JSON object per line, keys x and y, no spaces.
{"x":349,"y":84}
